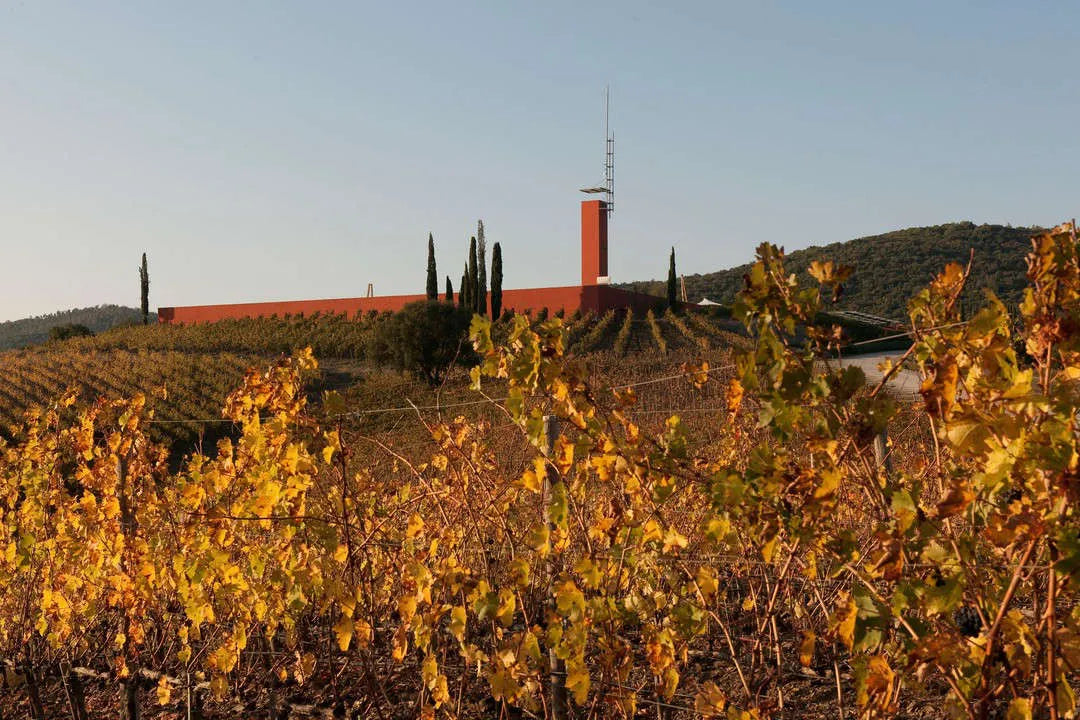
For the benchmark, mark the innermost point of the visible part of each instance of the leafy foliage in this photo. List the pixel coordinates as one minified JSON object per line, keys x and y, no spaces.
{"x":618,"y":553}
{"x":71,"y":330}
{"x":425,"y":338}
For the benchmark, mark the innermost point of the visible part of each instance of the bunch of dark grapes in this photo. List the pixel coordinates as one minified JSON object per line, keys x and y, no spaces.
{"x":967,"y":620}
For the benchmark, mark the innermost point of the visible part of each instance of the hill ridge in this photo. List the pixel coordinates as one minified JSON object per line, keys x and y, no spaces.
{"x":33,"y":330}
{"x":892,"y":267}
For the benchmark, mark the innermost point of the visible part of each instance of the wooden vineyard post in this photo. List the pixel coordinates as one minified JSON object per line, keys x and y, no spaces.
{"x":37,"y":710}
{"x":556,"y":667}
{"x":131,"y":698}
{"x":73,"y":689}
{"x":881,"y":453}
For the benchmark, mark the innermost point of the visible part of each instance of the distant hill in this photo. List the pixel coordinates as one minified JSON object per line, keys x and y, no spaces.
{"x":30,"y":331}
{"x":891,"y":268}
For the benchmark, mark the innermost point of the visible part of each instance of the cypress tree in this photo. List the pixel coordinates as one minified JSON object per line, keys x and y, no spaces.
{"x":672,"y":295}
{"x":474,"y":286}
{"x":496,"y":281}
{"x":432,"y":275}
{"x":481,"y":269}
{"x":463,"y":289}
{"x":449,"y":291}
{"x":144,"y":291}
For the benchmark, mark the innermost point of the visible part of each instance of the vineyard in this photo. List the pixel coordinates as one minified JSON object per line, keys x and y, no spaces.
{"x":180,"y":386}
{"x":339,"y":336}
{"x":625,"y":516}
{"x":186,"y":371}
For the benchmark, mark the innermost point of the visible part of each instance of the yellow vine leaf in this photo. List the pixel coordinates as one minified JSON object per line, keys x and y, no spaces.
{"x":1019,"y":709}
{"x":415,"y":526}
{"x":520,"y":569}
{"x":507,"y":605}
{"x":343,"y":631}
{"x":164,"y":692}
{"x":710,"y":700}
{"x":706,"y":581}
{"x":842,"y":622}
{"x":578,"y":683}
{"x":429,"y":671}
{"x":806,"y":648}
{"x":530,"y":481}
{"x":457,"y":622}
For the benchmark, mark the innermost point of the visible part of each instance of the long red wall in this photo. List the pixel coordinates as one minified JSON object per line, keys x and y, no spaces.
{"x":598,"y":298}
{"x":584,"y":297}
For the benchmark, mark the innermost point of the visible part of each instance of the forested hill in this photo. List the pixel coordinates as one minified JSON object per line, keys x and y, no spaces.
{"x":891,"y":268}
{"x":29,"y":331}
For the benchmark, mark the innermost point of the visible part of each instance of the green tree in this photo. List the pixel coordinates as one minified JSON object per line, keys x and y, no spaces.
{"x":474,"y":284}
{"x":672,"y":282}
{"x":449,"y":291}
{"x":463,"y":289}
{"x":70,"y":330}
{"x":496,"y":281}
{"x":144,"y":291}
{"x":426,"y":339}
{"x":432,"y":275}
{"x":481,"y":269}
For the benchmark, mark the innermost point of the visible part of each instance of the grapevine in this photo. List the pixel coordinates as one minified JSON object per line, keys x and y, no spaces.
{"x":439,"y":577}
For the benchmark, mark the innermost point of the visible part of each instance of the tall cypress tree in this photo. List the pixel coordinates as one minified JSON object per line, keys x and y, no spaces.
{"x":144,"y":291}
{"x":496,"y":281}
{"x":449,"y":291}
{"x":474,"y":287}
{"x":672,"y":281}
{"x":432,"y":275}
{"x":463,"y":289}
{"x":481,"y":269}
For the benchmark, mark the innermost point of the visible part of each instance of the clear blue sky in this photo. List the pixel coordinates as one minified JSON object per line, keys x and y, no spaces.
{"x":267,"y":150}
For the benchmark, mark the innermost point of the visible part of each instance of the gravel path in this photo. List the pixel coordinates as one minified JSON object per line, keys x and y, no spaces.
{"x":904,"y":384}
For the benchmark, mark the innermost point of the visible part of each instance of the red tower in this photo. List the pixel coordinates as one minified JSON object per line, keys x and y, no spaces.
{"x":594,"y":217}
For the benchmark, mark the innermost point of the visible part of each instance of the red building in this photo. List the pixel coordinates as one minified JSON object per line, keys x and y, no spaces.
{"x":592,"y":294}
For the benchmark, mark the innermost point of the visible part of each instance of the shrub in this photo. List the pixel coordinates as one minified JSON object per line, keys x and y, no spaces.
{"x":70,"y":330}
{"x":424,"y":338}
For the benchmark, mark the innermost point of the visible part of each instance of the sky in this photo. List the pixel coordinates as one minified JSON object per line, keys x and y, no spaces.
{"x":273,"y":151}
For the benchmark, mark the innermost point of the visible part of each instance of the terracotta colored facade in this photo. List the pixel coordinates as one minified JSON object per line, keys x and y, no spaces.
{"x":594,"y":219}
{"x":587,"y":296}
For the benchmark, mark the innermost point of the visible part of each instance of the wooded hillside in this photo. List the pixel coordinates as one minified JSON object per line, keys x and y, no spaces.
{"x":891,"y":268}
{"x":33,"y":330}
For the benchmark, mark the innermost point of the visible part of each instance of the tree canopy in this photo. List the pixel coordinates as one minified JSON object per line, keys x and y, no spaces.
{"x":425,"y":338}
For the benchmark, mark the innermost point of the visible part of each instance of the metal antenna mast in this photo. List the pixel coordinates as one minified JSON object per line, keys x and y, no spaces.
{"x":608,"y":188}
{"x":609,"y":156}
